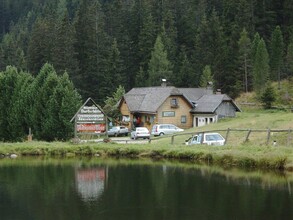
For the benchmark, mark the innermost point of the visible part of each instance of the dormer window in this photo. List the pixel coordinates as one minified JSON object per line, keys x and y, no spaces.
{"x":174,"y":103}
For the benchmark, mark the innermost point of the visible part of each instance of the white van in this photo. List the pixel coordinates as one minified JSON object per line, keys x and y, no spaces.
{"x":162,"y":129}
{"x":206,"y":138}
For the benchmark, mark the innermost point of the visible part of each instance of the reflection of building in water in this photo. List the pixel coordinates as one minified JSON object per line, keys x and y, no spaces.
{"x":91,"y":182}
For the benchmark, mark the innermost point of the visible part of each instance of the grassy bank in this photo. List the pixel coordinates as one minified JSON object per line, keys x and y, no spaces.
{"x":253,"y":154}
{"x":241,"y":156}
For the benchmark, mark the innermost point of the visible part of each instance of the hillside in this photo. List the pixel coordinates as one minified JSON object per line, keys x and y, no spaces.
{"x":258,"y":120}
{"x":284,"y":97}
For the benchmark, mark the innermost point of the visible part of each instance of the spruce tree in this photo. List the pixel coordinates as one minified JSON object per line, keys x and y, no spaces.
{"x":276,"y":54}
{"x":268,"y":96}
{"x":18,"y":126}
{"x":261,"y":68}
{"x":206,"y":78}
{"x":159,"y":66}
{"x":62,"y":106}
{"x":8,"y":81}
{"x":244,"y":56}
{"x":289,"y":58}
{"x":64,"y":56}
{"x":183,"y":71}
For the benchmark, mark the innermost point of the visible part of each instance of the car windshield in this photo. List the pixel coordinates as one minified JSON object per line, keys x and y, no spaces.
{"x":114,"y":129}
{"x":214,"y":137}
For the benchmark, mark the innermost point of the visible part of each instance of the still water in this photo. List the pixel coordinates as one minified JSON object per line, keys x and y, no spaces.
{"x":53,"y":189}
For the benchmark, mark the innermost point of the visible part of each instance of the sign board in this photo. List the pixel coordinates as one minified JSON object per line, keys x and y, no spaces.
{"x":90,"y":119}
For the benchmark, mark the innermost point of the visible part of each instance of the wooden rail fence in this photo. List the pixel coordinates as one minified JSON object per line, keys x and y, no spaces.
{"x":247,"y":135}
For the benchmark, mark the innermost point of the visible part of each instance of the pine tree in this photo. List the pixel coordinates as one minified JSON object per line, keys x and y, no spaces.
{"x":64,"y":56}
{"x":159,"y":66}
{"x":92,"y":48}
{"x":110,"y":107}
{"x":206,"y":78}
{"x":289,"y":58}
{"x":244,"y":55}
{"x":114,"y":70}
{"x":261,"y":68}
{"x":147,"y":38}
{"x":38,"y":95}
{"x":254,"y":47}
{"x":183,"y":71}
{"x":140,"y":78}
{"x":18,"y":127}
{"x":8,"y":81}
{"x":276,"y":55}
{"x":62,"y":105}
{"x":268,"y":97}
{"x":40,"y":45}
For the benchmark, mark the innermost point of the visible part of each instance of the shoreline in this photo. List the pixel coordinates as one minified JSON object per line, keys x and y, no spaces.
{"x":244,"y":156}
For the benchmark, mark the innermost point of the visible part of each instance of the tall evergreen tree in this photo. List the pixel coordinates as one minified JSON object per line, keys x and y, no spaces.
{"x":244,"y":55}
{"x":289,"y":58}
{"x":261,"y":68}
{"x":18,"y":127}
{"x":206,"y":78}
{"x":254,"y":46}
{"x":183,"y":72}
{"x":276,"y":54}
{"x":62,"y":105}
{"x":159,"y":66}
{"x":92,"y":48}
{"x":140,"y":78}
{"x":147,"y":38}
{"x":64,"y":56}
{"x":8,"y":81}
{"x":40,"y":45}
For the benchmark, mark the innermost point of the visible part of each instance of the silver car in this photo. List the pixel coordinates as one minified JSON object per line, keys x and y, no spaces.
{"x":206,"y":138}
{"x":162,"y":129}
{"x":118,"y":131}
{"x":140,"y":132}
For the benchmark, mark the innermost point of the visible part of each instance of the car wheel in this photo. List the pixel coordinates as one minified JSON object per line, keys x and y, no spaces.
{"x":161,"y":134}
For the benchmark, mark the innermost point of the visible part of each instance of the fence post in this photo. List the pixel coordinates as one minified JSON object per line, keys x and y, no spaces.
{"x":227,"y":134}
{"x":247,"y":136}
{"x":268,"y":137}
{"x":289,"y":137}
{"x":172,"y":139}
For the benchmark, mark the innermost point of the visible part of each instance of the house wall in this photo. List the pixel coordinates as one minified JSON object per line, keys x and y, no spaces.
{"x":168,"y":114}
{"x":126,"y":116}
{"x":225,"y":109}
{"x":204,"y":119}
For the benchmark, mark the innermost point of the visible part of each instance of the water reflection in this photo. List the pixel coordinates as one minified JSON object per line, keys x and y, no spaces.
{"x":91,"y":182}
{"x":139,"y":189}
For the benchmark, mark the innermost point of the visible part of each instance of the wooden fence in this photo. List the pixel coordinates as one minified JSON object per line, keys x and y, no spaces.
{"x":247,"y":134}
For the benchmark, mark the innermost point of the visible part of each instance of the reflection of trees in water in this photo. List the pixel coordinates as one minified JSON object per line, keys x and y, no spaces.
{"x":91,"y":182}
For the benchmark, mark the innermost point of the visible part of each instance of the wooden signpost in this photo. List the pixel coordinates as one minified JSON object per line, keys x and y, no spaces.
{"x":90,"y":119}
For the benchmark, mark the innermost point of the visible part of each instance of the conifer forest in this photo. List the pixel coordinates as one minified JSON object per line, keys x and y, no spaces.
{"x":88,"y":48}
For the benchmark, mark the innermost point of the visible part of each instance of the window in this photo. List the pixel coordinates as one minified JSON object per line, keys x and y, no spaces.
{"x":174,"y":102}
{"x":168,"y":114}
{"x":183,"y":119}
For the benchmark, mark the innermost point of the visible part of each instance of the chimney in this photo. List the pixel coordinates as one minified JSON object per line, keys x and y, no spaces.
{"x":218,"y":92}
{"x":164,"y":83}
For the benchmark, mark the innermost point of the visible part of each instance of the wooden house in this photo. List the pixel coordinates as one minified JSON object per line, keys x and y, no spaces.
{"x":183,"y":107}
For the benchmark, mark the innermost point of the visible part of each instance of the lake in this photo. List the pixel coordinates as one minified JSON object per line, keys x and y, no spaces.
{"x":97,"y":188}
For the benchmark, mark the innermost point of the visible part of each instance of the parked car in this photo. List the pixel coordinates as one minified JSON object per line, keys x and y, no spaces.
{"x":162,"y":129}
{"x":206,"y":138}
{"x":118,"y":131}
{"x":140,"y":132}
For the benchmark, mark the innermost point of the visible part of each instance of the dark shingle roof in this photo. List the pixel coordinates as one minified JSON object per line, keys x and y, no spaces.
{"x":210,"y":103}
{"x":149,"y":99}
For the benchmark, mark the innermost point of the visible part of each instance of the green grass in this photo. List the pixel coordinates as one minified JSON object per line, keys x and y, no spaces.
{"x":253,"y":154}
